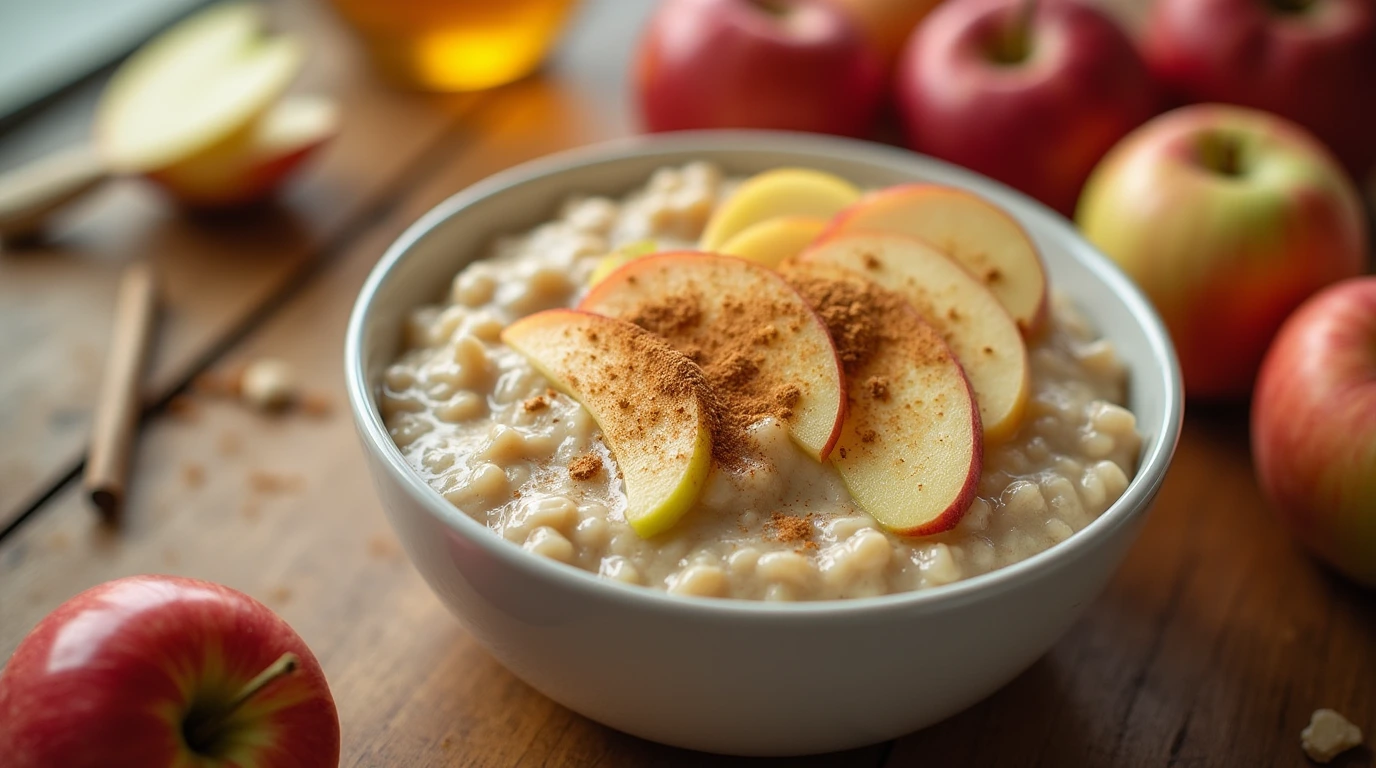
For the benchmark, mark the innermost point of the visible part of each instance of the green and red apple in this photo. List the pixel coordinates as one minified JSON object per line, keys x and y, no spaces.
{"x":1314,"y":426}
{"x":1227,"y":218}
{"x":165,"y":672}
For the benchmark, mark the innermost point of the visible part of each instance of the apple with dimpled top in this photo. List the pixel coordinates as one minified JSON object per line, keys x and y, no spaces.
{"x":1228,"y":218}
{"x":1030,"y":94}
{"x":161,"y":671}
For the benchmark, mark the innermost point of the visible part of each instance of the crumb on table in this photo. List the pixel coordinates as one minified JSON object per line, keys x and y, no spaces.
{"x":1328,"y":735}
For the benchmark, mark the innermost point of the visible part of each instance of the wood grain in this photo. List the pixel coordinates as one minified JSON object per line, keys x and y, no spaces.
{"x":218,"y":273}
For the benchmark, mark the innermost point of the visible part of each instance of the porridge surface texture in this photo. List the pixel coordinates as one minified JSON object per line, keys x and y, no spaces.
{"x":485,"y":429}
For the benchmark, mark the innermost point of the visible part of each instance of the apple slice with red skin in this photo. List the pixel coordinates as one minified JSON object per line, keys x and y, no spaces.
{"x":969,"y":318}
{"x":165,"y":671}
{"x":911,"y":451}
{"x":253,"y":163}
{"x":741,"y":322}
{"x":651,"y":402}
{"x":966,"y":227}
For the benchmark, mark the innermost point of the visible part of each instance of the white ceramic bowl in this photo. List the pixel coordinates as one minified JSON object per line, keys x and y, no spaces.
{"x":747,"y":677}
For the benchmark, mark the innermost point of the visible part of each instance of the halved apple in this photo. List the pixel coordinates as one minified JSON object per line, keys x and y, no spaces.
{"x":970,"y":229}
{"x":780,"y":192}
{"x":969,"y":318}
{"x":911,"y":451}
{"x":193,"y":87}
{"x":651,"y":402}
{"x":254,"y":161}
{"x":760,"y":344}
{"x":771,"y":241}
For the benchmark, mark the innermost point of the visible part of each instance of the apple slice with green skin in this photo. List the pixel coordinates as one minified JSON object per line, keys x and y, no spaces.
{"x":969,"y":318}
{"x":763,"y":349}
{"x":911,"y":451}
{"x":771,"y":241}
{"x":968,"y":228}
{"x":780,"y":192}
{"x":652,"y":403}
{"x":254,"y":161}
{"x":620,"y":258}
{"x":195,"y":86}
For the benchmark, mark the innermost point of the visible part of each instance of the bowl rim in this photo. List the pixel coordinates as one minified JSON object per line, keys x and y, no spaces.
{"x":1131,"y":505}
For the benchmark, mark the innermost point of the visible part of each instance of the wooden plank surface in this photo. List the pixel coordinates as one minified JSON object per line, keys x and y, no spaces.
{"x":56,"y":298}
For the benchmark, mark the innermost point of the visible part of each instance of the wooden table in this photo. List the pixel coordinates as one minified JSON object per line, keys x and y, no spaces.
{"x":1211,"y":647}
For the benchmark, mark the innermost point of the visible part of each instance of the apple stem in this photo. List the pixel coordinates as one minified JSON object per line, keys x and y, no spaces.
{"x":1018,"y":44}
{"x":1222,"y":154}
{"x":206,"y":730}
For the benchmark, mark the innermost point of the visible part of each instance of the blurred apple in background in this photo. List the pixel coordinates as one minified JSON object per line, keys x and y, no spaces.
{"x":159,"y":672}
{"x":1314,"y":426}
{"x":799,"y":65}
{"x":1228,"y":218}
{"x":1030,"y":94}
{"x":1312,"y":61}
{"x":888,"y":23}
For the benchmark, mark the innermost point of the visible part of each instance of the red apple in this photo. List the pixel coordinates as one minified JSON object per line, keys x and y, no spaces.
{"x":1227,"y":218}
{"x":1313,"y":61}
{"x":1314,"y":426}
{"x":1031,"y":99}
{"x":797,"y":65}
{"x":160,"y":671}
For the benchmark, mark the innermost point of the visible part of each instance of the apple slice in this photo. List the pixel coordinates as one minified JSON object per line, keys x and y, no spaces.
{"x":620,"y":258}
{"x":771,"y":241}
{"x":973,"y":231}
{"x":764,"y":350}
{"x":911,"y":451}
{"x":780,"y":192}
{"x":969,"y":318}
{"x":252,"y":163}
{"x":651,"y":402}
{"x":194,"y":86}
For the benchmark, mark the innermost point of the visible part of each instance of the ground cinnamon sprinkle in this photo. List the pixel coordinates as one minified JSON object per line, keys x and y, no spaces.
{"x":859,"y":315}
{"x":879,"y":388}
{"x":729,"y":347}
{"x":585,"y":467}
{"x":788,"y":528}
{"x":660,"y":379}
{"x":533,"y":404}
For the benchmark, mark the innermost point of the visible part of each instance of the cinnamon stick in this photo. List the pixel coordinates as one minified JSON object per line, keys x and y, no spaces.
{"x":117,"y":410}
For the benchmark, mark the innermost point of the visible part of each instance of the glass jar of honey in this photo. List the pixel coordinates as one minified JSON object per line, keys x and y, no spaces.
{"x":456,"y":45}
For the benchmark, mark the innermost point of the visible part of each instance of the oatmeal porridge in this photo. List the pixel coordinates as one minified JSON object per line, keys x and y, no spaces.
{"x":506,"y":447}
